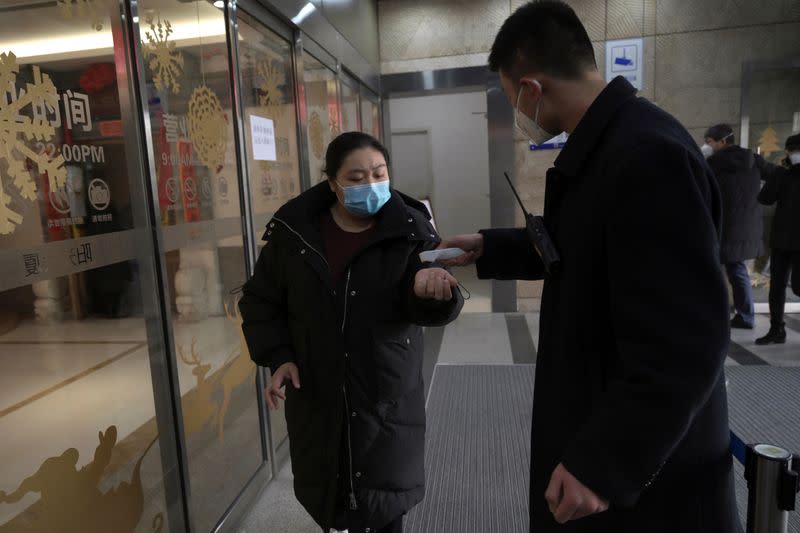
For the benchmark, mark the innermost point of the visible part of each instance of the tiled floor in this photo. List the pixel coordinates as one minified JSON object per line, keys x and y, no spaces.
{"x":486,"y":338}
{"x":62,"y":383}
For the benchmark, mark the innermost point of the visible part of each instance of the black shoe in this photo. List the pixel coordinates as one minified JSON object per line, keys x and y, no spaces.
{"x":740,"y":323}
{"x":776,"y":335}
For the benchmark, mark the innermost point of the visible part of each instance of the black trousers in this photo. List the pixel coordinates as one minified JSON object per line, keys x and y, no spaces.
{"x":779,"y":272}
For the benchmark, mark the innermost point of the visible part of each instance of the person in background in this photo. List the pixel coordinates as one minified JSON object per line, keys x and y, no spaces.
{"x":335,"y":309}
{"x":739,"y":173}
{"x":783,"y":190}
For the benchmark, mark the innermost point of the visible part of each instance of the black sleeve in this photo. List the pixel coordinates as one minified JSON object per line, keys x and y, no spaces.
{"x":772,"y":175}
{"x":669,"y":317}
{"x":768,"y":170}
{"x":264,"y":312}
{"x":509,"y":254}
{"x":428,"y":313}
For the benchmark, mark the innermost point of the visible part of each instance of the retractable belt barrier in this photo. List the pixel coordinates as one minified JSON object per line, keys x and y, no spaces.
{"x":773,"y":481}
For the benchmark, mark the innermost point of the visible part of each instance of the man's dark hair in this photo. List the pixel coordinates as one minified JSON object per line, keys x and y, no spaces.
{"x":721,"y":132}
{"x":544,"y":36}
{"x":345,"y":144}
{"x":793,"y":143}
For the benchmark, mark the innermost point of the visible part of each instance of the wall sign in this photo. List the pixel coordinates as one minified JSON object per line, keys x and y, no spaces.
{"x":556,"y":143}
{"x":625,"y":58}
{"x":263,"y":135}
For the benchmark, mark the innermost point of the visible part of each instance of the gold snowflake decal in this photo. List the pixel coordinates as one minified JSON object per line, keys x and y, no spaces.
{"x":90,"y":10}
{"x":207,"y":127}
{"x":16,"y":129}
{"x":273,"y":77}
{"x":166,"y":64}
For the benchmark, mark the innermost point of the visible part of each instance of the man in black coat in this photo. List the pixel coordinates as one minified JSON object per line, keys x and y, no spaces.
{"x":630,"y":418}
{"x":783,"y":189}
{"x":739,"y":173}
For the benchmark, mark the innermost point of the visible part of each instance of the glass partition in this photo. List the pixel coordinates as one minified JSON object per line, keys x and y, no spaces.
{"x":370,"y":120}
{"x":270,"y":135}
{"x":770,"y":114}
{"x":322,"y":109}
{"x":82,"y":445}
{"x":350,"y":107}
{"x":186,"y":68}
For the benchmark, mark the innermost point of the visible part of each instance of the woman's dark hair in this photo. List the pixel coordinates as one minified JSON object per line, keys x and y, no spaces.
{"x":546,"y":36}
{"x":721,"y":132}
{"x":345,"y":144}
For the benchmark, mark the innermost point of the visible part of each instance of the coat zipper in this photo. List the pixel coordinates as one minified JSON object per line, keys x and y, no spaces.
{"x":322,"y":256}
{"x":353,"y":502}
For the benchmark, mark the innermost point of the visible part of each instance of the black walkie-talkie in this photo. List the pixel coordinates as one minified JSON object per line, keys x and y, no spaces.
{"x":538,"y":234}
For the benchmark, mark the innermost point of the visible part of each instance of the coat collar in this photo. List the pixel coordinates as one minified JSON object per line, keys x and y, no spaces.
{"x":582,"y":142}
{"x":402,"y":215}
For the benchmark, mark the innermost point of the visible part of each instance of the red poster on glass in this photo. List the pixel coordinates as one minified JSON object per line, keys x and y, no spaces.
{"x":189,"y":188}
{"x":168,"y":189}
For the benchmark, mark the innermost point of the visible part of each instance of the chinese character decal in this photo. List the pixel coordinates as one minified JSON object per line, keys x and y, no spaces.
{"x":81,"y":255}
{"x":76,"y":108}
{"x":32,"y":264}
{"x":16,"y":129}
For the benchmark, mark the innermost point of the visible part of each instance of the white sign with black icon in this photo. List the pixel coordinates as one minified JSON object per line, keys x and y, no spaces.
{"x":624,"y":58}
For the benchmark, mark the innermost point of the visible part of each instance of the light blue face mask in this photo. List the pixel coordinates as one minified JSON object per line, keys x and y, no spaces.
{"x":366,"y":200}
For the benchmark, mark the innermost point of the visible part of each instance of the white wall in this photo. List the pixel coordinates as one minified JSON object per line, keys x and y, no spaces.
{"x":459,"y":140}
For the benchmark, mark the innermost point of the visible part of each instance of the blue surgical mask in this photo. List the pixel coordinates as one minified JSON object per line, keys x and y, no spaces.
{"x":366,"y":200}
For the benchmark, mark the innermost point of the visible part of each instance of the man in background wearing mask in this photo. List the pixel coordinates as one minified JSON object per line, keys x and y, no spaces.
{"x":739,"y":173}
{"x":630,"y":420}
{"x":783,"y":189}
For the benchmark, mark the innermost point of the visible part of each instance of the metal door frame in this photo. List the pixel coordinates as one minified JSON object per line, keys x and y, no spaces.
{"x":500,"y":117}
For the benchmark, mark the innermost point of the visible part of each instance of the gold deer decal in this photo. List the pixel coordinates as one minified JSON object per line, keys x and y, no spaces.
{"x":199,"y":409}
{"x":239,"y":371}
{"x":71,"y":501}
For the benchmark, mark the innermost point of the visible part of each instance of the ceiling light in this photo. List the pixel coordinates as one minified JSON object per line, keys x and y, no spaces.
{"x":219,"y":4}
{"x":304,"y":13}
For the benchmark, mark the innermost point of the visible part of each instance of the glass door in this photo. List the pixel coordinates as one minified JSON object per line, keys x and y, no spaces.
{"x":350,"y":108}
{"x":322,"y":109}
{"x":195,"y":170}
{"x":370,"y":113}
{"x":88,"y":440}
{"x":770,"y":114}
{"x":266,"y":70}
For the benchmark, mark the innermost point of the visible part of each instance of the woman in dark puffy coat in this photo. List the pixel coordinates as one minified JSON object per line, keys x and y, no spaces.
{"x":335,"y":309}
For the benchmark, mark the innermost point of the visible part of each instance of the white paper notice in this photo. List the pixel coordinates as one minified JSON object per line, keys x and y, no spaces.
{"x":263,"y":134}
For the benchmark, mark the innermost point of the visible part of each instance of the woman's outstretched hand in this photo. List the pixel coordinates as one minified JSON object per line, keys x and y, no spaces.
{"x":434,"y":284}
{"x":285,"y":372}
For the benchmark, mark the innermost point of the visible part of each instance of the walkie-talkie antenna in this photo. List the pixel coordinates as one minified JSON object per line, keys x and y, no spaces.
{"x":524,"y":211}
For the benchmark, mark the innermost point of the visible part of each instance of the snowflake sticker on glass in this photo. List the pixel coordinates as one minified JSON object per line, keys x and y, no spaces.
{"x":207,"y":127}
{"x":165,"y":63}
{"x":91,"y":10}
{"x":18,"y":130}
{"x":272,"y":79}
